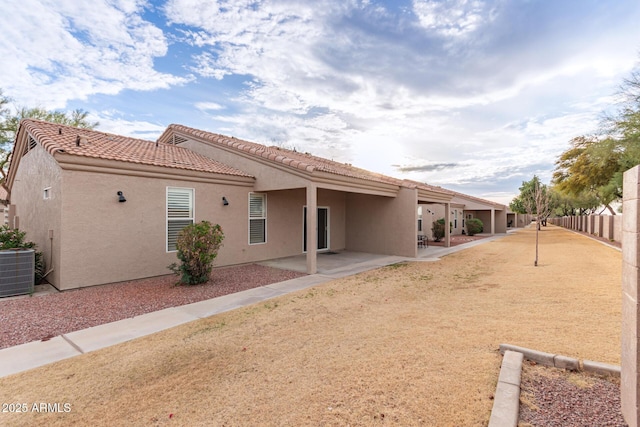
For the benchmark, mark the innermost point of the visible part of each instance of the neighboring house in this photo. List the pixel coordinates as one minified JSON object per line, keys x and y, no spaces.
{"x":493,"y":215}
{"x":462,"y":208}
{"x":106,"y":208}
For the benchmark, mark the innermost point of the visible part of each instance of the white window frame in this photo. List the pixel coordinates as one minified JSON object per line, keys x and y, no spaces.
{"x":191,"y":193}
{"x":261,"y":216}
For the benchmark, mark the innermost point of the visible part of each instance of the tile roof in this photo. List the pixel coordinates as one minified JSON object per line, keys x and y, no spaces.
{"x":424,"y":186}
{"x":290,"y":158}
{"x":59,"y":138}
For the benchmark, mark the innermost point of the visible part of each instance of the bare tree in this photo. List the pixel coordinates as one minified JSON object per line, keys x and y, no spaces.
{"x":542,"y":200}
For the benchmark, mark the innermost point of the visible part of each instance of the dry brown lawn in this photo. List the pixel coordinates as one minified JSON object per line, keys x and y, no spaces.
{"x":408,"y":344}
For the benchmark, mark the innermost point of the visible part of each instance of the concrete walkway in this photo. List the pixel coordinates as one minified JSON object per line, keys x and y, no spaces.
{"x":39,"y":353}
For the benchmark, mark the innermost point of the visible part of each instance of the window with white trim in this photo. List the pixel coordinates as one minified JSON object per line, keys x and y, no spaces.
{"x":257,"y":218}
{"x":180,"y":213}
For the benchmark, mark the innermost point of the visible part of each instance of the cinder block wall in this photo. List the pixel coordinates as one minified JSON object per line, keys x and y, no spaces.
{"x":607,"y":226}
{"x":630,"y":275}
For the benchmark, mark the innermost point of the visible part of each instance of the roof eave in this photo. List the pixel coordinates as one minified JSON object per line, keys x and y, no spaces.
{"x":118,"y":167}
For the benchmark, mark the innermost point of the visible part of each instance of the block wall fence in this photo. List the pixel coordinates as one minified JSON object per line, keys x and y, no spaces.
{"x":630,"y":346}
{"x":607,"y":226}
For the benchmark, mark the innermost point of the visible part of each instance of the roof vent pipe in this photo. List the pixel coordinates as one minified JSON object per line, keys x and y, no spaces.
{"x":59,"y":131}
{"x":77,"y":140}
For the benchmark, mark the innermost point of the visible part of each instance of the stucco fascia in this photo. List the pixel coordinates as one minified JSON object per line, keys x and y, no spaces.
{"x":427,"y":196}
{"x":95,"y":165}
{"x":474,"y":204}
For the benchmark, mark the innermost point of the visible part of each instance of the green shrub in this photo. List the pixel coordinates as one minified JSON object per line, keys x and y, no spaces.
{"x":197,"y":246}
{"x":438,"y":230}
{"x":12,"y":238}
{"x":474,"y":226}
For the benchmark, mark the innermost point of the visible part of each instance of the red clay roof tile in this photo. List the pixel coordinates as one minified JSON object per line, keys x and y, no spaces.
{"x":59,"y":138}
{"x":293,"y":159}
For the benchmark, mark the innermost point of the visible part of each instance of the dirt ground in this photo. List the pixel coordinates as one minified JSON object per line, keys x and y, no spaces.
{"x":408,"y":344}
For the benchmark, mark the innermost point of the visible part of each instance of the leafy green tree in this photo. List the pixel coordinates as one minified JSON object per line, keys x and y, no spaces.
{"x":593,"y":166}
{"x":587,"y":170}
{"x":4,"y":112}
{"x":563,"y":204}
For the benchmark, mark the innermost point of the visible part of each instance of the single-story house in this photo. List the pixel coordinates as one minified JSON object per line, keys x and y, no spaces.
{"x":462,"y":208}
{"x":106,"y":208}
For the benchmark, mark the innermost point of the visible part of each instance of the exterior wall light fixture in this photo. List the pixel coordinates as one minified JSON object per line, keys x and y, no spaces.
{"x":225,"y":202}
{"x":121,"y":198}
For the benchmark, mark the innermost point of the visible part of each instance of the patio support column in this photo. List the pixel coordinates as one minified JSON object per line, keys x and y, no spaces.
{"x":312,"y":228}
{"x":493,"y":221}
{"x":447,"y":219}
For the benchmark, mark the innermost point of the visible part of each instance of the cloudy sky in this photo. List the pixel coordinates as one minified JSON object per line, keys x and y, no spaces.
{"x":475,"y":96}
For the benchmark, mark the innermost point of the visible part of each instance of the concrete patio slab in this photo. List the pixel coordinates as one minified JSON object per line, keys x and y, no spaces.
{"x":327,"y":262}
{"x":352,"y":269}
{"x":34,"y":354}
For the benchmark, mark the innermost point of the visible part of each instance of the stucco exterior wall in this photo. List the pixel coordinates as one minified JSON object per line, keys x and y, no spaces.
{"x":485,"y":217}
{"x":501,"y":221}
{"x":285,"y":223}
{"x":106,"y":241}
{"x":36,"y":216}
{"x":437,"y":212}
{"x":384,"y":225}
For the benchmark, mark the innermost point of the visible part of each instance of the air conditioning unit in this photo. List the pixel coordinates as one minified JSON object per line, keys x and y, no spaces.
{"x":17,"y":269}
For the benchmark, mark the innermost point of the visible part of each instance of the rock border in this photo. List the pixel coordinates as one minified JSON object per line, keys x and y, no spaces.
{"x":506,"y":404}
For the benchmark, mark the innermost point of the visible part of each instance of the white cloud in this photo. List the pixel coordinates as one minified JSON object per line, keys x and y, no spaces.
{"x":208,"y":106}
{"x":482,"y":85}
{"x":60,"y":50}
{"x":112,"y":121}
{"x":451,"y":18}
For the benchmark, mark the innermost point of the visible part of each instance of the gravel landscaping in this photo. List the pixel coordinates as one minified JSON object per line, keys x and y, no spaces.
{"x":556,"y":398}
{"x":42,"y":317}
